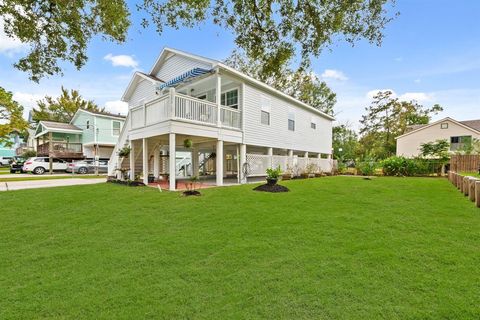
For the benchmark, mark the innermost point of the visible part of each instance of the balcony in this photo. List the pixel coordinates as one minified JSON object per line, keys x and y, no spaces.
{"x":61,"y":150}
{"x":176,"y":106}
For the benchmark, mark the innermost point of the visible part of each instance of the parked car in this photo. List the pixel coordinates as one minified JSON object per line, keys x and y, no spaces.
{"x":39,"y":165}
{"x":5,"y":161}
{"x":87,"y":166}
{"x":17,"y":165}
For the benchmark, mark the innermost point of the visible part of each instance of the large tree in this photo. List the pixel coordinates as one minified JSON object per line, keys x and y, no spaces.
{"x":303,"y":85}
{"x":345,"y":142}
{"x":274,"y":31}
{"x":11,"y":117}
{"x":270,"y":31}
{"x":387,"y":118}
{"x":61,"y":30}
{"x":63,"y":108}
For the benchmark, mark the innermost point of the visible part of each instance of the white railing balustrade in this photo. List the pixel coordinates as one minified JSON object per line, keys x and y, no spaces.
{"x":258,"y":164}
{"x":230,"y":117}
{"x":186,"y":108}
{"x":193,"y":109}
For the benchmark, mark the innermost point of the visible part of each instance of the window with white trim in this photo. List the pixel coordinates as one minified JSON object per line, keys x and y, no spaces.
{"x":230,"y":99}
{"x":313,"y":123}
{"x":116,"y":127}
{"x":265,"y":107}
{"x":291,"y":120}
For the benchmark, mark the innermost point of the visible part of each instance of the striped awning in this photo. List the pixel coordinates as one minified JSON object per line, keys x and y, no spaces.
{"x":195,"y":72}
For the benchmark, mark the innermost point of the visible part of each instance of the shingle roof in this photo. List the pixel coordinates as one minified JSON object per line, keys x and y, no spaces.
{"x":59,"y":125}
{"x":108,"y":114}
{"x":151,"y":77}
{"x":474,"y":124}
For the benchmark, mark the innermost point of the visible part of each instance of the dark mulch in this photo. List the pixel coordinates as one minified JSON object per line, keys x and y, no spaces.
{"x":127,"y":183}
{"x":191,"y":193}
{"x":271,"y":188}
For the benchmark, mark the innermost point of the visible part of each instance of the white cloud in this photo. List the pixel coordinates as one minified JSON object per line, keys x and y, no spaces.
{"x":331,"y":74}
{"x":416,"y":96}
{"x":116,"y":107}
{"x":417,"y":80}
{"x":8,"y":45}
{"x":122,"y":60}
{"x":27,"y":100}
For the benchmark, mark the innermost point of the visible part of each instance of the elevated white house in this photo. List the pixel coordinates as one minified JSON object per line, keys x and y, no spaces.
{"x":237,"y":126}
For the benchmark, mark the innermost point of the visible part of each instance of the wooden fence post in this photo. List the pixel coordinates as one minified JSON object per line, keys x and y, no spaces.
{"x":477,"y":193}
{"x":459,"y":182}
{"x":471,"y":191}
{"x":466,"y":186}
{"x":454,"y":178}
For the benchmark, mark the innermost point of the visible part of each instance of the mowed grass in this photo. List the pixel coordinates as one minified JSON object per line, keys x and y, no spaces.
{"x":332,"y":248}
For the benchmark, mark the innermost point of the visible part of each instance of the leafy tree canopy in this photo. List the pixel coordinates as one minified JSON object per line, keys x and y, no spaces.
{"x":273,"y":32}
{"x":345,"y":142}
{"x":63,"y":108}
{"x":300,"y":84}
{"x":270,"y":31}
{"x":437,"y":149}
{"x":11,"y":117}
{"x":61,"y":30}
{"x":387,"y":118}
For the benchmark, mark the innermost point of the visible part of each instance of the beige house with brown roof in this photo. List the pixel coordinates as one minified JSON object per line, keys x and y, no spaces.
{"x":455,"y":132}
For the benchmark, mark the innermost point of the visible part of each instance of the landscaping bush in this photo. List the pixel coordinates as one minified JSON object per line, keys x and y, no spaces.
{"x":399,"y":167}
{"x":366,"y":168}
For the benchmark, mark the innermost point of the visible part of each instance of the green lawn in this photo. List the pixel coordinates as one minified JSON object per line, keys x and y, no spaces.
{"x":472,"y":174}
{"x":47,"y":177}
{"x":332,"y":248}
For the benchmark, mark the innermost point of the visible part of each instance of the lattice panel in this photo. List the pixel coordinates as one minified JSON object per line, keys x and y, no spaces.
{"x":257,"y":164}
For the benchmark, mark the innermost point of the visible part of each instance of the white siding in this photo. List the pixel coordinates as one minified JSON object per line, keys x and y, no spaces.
{"x":410,"y":144}
{"x":144,"y":90}
{"x":277,"y":135}
{"x":176,"y":65}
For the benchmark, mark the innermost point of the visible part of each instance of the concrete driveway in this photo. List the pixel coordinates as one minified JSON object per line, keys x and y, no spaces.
{"x":34,"y":184}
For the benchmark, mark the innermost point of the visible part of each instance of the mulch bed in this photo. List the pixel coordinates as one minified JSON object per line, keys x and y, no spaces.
{"x":271,"y":188}
{"x":191,"y":193}
{"x":127,"y":183}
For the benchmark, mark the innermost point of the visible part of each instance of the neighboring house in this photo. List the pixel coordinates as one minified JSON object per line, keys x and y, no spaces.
{"x":239,"y":126}
{"x":8,"y":149}
{"x":89,"y":134}
{"x":457,"y":133}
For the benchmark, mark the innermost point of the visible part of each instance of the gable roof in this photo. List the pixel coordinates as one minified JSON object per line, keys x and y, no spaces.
{"x":136,"y":78}
{"x":474,"y":124}
{"x":166,"y":52}
{"x":469,"y":125}
{"x":51,"y":126}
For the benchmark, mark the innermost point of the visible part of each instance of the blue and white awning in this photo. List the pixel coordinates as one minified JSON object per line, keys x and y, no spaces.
{"x":195,"y":72}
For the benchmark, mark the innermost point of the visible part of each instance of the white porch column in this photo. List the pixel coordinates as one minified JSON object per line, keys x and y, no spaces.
{"x":156,"y":162}
{"x":270,"y":154}
{"x":195,"y":162}
{"x":306,"y":157}
{"x":243,"y":160}
{"x":219,"y":159}
{"x":172,"y":159}
{"x":319,"y":156}
{"x":132,"y":160}
{"x":145,"y":160}
{"x":218,"y":93}
{"x":171,"y":92}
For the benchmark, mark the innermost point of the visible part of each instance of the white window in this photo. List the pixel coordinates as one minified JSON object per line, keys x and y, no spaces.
{"x":444,"y":125}
{"x":230,"y":99}
{"x":116,"y":126}
{"x":265,"y":106}
{"x":291,"y":120}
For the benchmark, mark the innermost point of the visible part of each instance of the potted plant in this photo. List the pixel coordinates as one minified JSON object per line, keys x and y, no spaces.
{"x":273,"y":175}
{"x":124,"y":152}
{"x":188,"y":143}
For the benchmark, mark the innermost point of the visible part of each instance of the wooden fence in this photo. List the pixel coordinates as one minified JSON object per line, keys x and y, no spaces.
{"x":465,"y":163}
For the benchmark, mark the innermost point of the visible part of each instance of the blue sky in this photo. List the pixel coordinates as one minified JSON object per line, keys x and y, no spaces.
{"x":431,"y":53}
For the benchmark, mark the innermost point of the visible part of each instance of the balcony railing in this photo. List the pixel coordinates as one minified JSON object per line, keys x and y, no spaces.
{"x":61,"y":149}
{"x":176,"y":106}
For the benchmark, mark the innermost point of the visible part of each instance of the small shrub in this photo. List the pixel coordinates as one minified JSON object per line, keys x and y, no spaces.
{"x":29,"y":154}
{"x":366,"y":168}
{"x":274,"y":173}
{"x":399,"y":167}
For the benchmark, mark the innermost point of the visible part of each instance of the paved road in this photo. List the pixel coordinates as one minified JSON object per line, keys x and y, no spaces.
{"x":22,"y":175}
{"x":34,"y":184}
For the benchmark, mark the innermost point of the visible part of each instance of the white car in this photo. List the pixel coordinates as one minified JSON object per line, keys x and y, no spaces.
{"x":5,"y":161}
{"x":40,"y":165}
